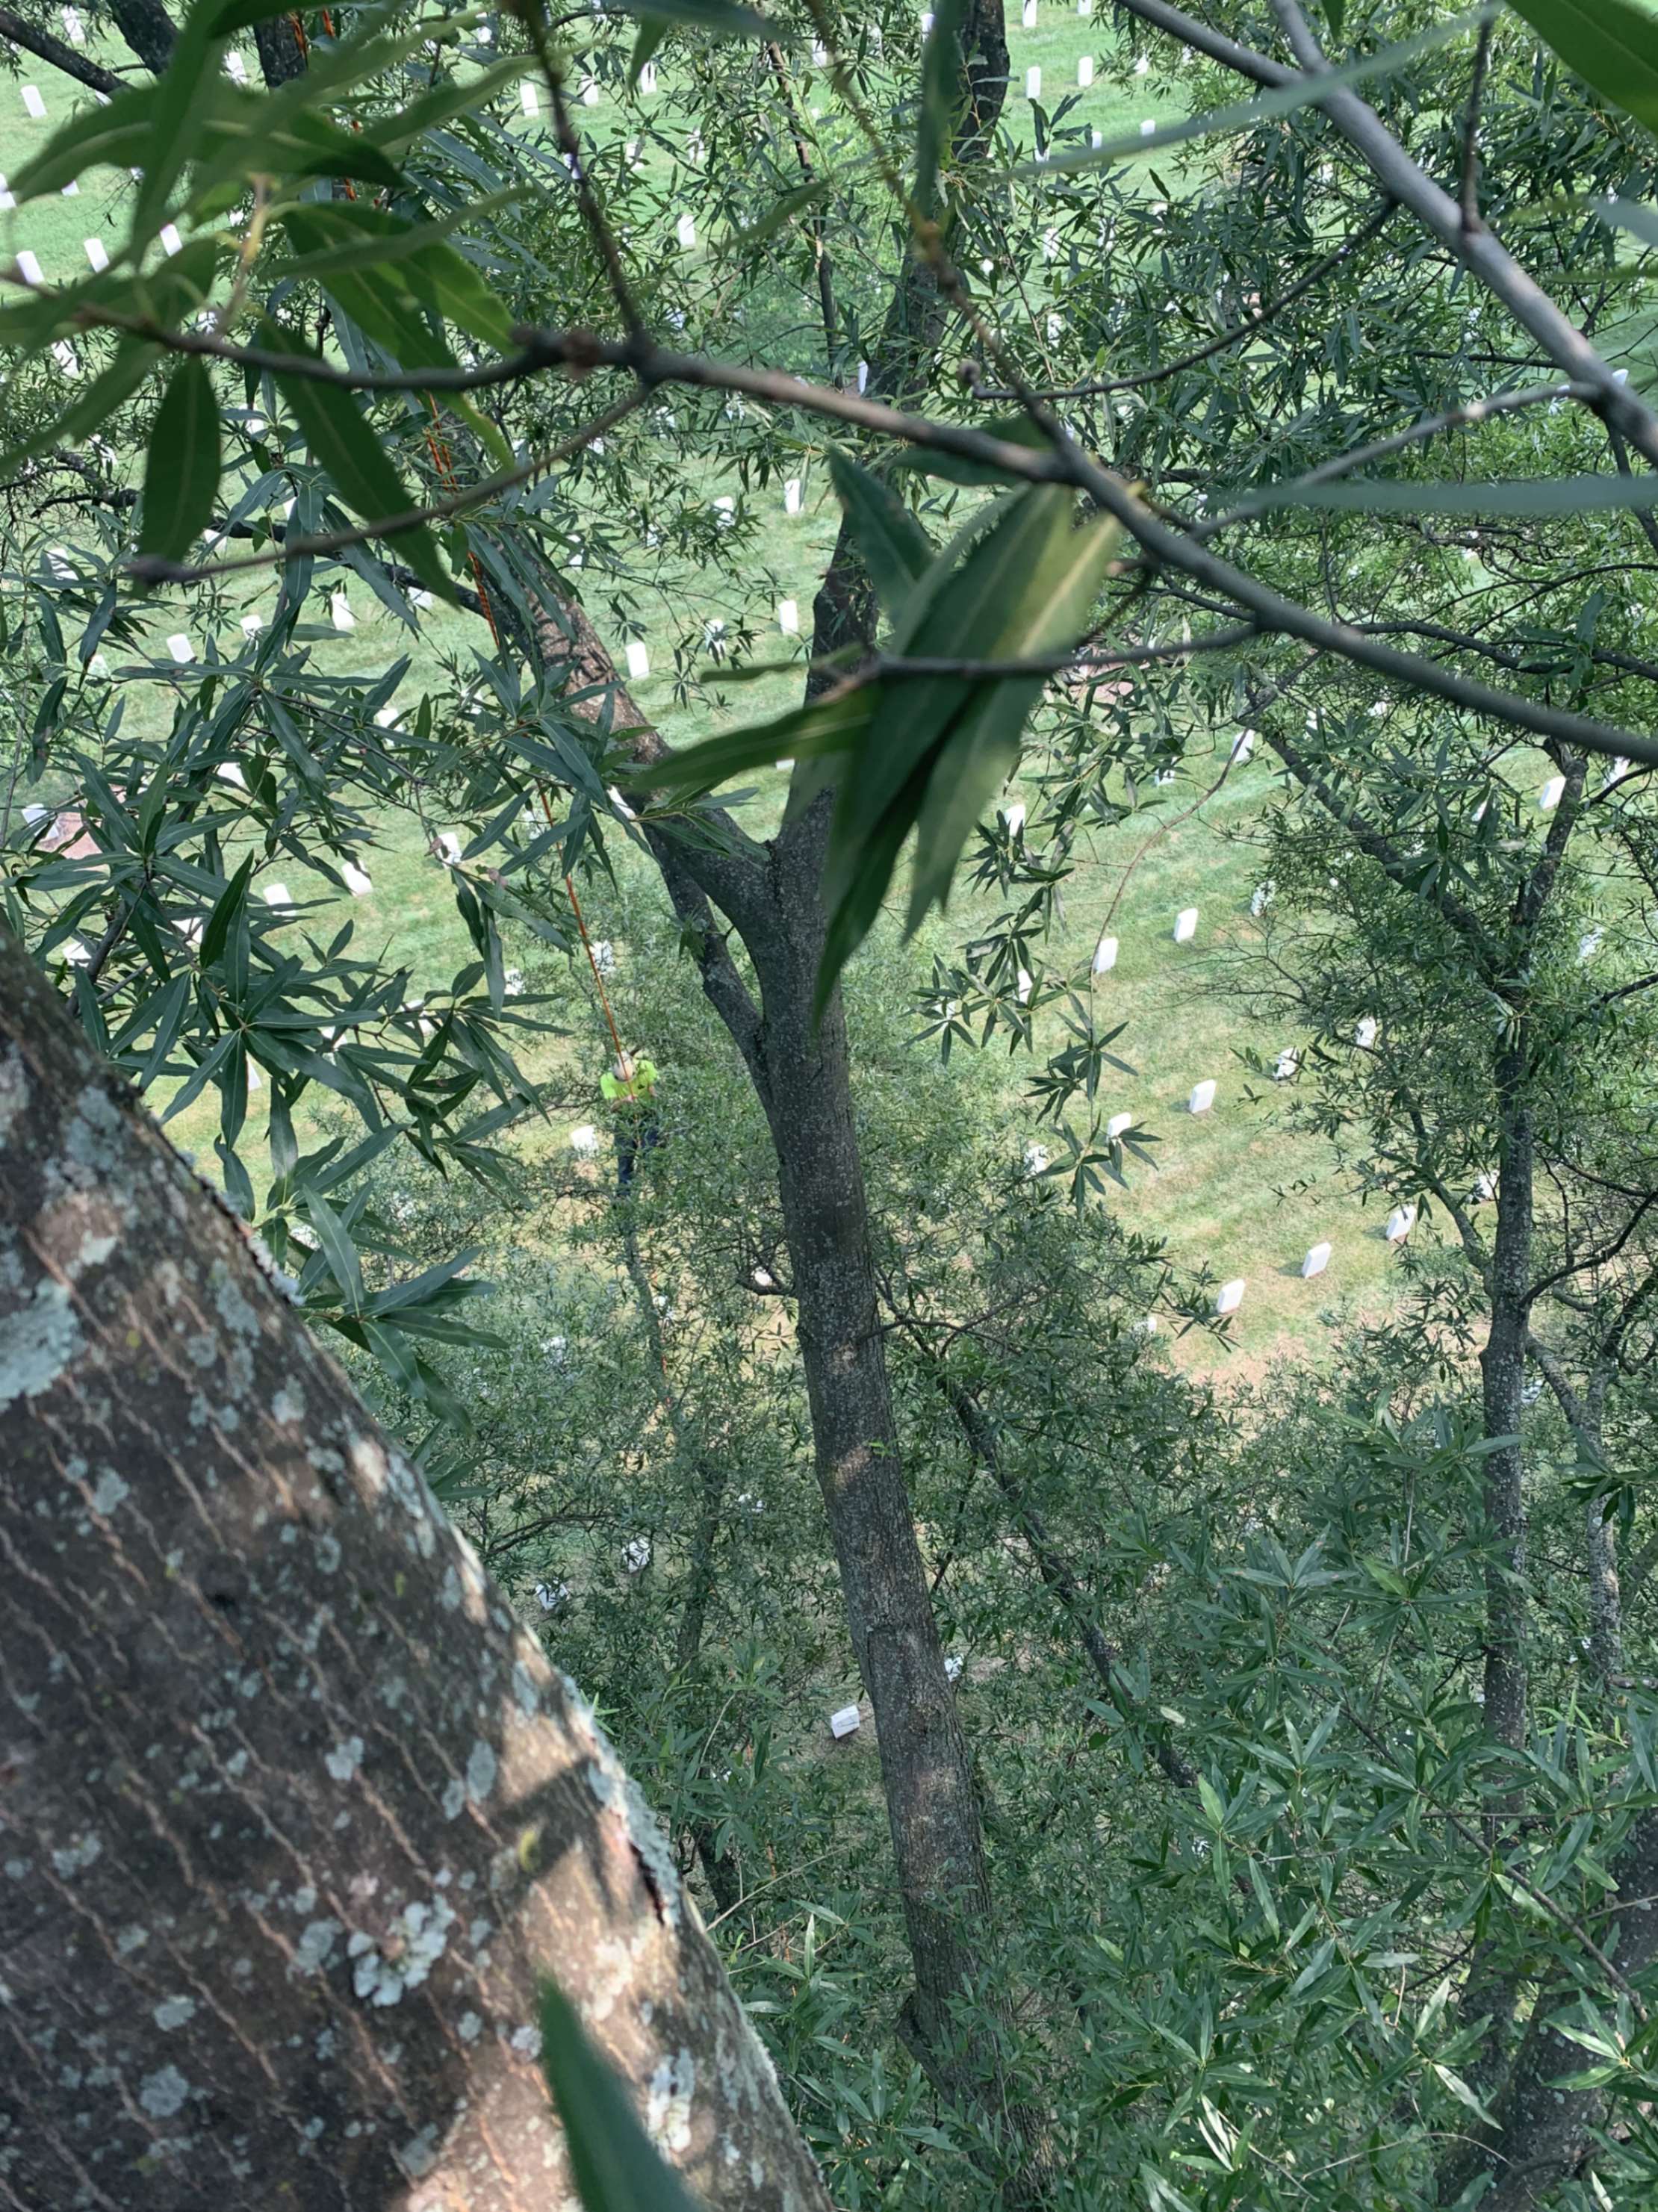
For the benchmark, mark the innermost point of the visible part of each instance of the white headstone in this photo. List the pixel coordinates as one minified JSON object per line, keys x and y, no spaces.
{"x":1589,"y":944}
{"x":29,"y":267}
{"x":448,"y":843}
{"x":647,"y":79}
{"x":1105,"y":956}
{"x":276,"y":894}
{"x":953,"y":1667}
{"x":584,"y":1142}
{"x":74,"y":29}
{"x":1259,"y":899}
{"x":1186,"y":925}
{"x":171,"y":241}
{"x":228,"y":772}
{"x":1316,"y":1261}
{"x":1028,"y":14}
{"x":33,"y":103}
{"x":1365,"y":1035}
{"x":66,"y":357}
{"x":791,"y":495}
{"x":639,"y":661}
{"x":724,"y":513}
{"x":7,"y":200}
{"x":551,"y":1595}
{"x":927,"y":22}
{"x":863,"y":377}
{"x":1242,"y":745}
{"x":180,"y":647}
{"x":1230,"y":1297}
{"x":1551,"y":794}
{"x":1037,"y":1160}
{"x":339,"y":608}
{"x":529,"y":99}
{"x":1050,"y":244}
{"x":844,"y":1722}
{"x":1016,"y":818}
{"x":1485,"y":1187}
{"x":1115,"y":1126}
{"x":1148,"y":126}
{"x":590,"y":92}
{"x":788,"y":618}
{"x":236,"y":67}
{"x":96,"y":253}
{"x":357,"y":881}
{"x":820,"y":52}
{"x":1401,"y":1222}
{"x":251,"y":625}
{"x":1033,"y":84}
{"x":636,"y":1554}
{"x":685,"y":230}
{"x":1025,"y":987}
{"x":1287,"y":1063}
{"x":1202,"y":1098}
{"x":1085,"y":71}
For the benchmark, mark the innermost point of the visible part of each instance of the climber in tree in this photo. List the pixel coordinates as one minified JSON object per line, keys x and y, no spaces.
{"x":629,"y":1092}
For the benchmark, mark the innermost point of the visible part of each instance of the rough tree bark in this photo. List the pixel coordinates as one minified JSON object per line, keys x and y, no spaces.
{"x":294,"y":1813}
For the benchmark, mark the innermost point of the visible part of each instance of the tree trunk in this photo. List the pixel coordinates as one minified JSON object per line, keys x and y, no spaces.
{"x":1502,"y":1369}
{"x":1605,"y":1611}
{"x":148,"y":29}
{"x":1542,"y":2136}
{"x":931,"y":1803}
{"x":295,"y":1813}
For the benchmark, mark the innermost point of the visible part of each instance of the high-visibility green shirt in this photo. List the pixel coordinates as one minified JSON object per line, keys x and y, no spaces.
{"x":638,"y":1092}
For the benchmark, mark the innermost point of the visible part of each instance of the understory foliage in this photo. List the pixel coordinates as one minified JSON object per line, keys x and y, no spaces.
{"x":1312,"y":1728}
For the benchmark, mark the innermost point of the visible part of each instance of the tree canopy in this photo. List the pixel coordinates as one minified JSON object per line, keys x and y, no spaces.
{"x":1119,"y":1759}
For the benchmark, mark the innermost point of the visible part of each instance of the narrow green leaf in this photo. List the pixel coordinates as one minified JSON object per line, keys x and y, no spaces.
{"x":227,"y":907}
{"x":1046,"y":615}
{"x":1612,"y":44}
{"x":895,"y":549}
{"x":181,"y":471}
{"x":1399,"y":496}
{"x":168,"y":1014}
{"x":615,"y":2166}
{"x":405,"y":265}
{"x":176,"y":115}
{"x":347,"y":448}
{"x":943,"y":95}
{"x":653,"y":30}
{"x":443,"y":103}
{"x":830,"y":725}
{"x":338,"y":1250}
{"x":959,"y":468}
{"x":780,"y":212}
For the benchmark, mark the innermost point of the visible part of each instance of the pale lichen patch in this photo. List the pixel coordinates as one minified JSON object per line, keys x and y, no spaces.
{"x":345,"y":1758}
{"x":480,"y":1771}
{"x":668,"y":2110}
{"x":288,"y":1404}
{"x":37,"y":1343}
{"x":163,"y":2093}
